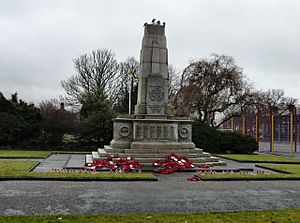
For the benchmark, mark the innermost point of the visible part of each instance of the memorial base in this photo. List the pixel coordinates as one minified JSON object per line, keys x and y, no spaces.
{"x":151,"y":139}
{"x":150,"y":133}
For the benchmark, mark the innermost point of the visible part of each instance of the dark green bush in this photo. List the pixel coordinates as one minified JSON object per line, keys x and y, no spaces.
{"x":214,"y":141}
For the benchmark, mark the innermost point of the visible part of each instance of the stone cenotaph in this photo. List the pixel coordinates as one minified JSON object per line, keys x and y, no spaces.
{"x":153,"y":132}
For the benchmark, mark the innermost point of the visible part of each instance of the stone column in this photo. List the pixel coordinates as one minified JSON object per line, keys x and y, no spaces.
{"x":153,"y":76}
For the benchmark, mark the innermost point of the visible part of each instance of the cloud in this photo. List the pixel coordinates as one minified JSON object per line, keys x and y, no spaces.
{"x":39,"y":39}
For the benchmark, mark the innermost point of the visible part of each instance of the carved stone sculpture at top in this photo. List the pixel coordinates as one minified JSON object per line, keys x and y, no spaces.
{"x":153,"y":76}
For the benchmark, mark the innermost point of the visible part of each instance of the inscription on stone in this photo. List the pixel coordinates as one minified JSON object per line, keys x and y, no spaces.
{"x":158,"y":133}
{"x":155,"y":96}
{"x":166,"y":132}
{"x":156,"y":93}
{"x":155,"y":109}
{"x":145,"y":131}
{"x":155,"y":132}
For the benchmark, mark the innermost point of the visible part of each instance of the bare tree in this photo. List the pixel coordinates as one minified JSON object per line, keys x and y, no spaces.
{"x":213,"y":86}
{"x":275,"y":98}
{"x":96,"y":73}
{"x":127,"y":88}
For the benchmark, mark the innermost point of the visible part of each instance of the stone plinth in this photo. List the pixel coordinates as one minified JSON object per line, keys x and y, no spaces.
{"x":148,"y":133}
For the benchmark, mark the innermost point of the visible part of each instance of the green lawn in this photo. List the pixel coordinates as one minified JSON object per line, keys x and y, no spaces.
{"x":19,"y":169}
{"x":292,"y":169}
{"x":278,"y":216}
{"x":260,"y":158}
{"x":24,"y":154}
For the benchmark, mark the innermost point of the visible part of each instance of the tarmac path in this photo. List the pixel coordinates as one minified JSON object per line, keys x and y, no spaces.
{"x":172,"y":193}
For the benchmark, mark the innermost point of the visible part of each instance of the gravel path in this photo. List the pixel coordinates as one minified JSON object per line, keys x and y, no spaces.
{"x":171,"y":193}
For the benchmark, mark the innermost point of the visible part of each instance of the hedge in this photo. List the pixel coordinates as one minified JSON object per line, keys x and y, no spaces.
{"x":215,"y":141}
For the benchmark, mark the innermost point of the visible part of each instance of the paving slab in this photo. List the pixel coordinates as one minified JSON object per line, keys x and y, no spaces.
{"x":53,"y":161}
{"x":75,"y":161}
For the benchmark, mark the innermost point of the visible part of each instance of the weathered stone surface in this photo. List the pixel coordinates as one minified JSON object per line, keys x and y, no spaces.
{"x":141,"y":93}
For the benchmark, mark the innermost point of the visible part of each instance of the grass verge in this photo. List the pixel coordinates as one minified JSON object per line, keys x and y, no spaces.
{"x":292,"y":172}
{"x":23,"y":154}
{"x":260,"y":158}
{"x":19,"y":169}
{"x":282,"y":216}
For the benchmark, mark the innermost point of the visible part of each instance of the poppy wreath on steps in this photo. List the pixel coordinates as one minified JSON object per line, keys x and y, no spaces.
{"x":115,"y":163}
{"x":173,"y":163}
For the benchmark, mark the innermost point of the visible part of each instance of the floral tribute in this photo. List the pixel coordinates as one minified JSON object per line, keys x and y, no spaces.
{"x":115,"y":163}
{"x":194,"y":178}
{"x":174,"y":163}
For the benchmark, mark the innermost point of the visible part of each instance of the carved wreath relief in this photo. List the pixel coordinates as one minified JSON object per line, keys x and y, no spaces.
{"x":184,"y":132}
{"x":124,"y":131}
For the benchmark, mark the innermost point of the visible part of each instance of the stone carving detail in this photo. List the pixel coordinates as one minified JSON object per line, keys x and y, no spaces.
{"x":124,"y":131}
{"x":184,"y":132}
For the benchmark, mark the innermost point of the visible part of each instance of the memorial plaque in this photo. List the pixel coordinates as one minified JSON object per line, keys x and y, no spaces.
{"x":155,"y":96}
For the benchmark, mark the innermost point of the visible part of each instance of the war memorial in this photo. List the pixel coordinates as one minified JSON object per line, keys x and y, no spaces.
{"x":153,"y":132}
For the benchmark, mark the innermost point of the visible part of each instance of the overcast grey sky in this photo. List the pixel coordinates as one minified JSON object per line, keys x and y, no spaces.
{"x":39,"y":39}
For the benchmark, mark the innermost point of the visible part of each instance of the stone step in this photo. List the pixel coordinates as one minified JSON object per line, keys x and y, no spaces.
{"x":218,"y":163}
{"x":213,"y":159}
{"x":88,"y":158}
{"x":109,"y":149}
{"x":211,"y":164}
{"x":153,"y":156}
{"x":199,"y":150}
{"x":150,"y":160}
{"x":96,"y":156}
{"x":103,"y":152}
{"x":205,"y":154}
{"x":147,"y":162}
{"x":113,"y":150}
{"x":195,"y":164}
{"x":161,"y":151}
{"x":140,"y":153}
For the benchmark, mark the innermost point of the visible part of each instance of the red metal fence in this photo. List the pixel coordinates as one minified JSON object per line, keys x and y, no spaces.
{"x":275,"y":132}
